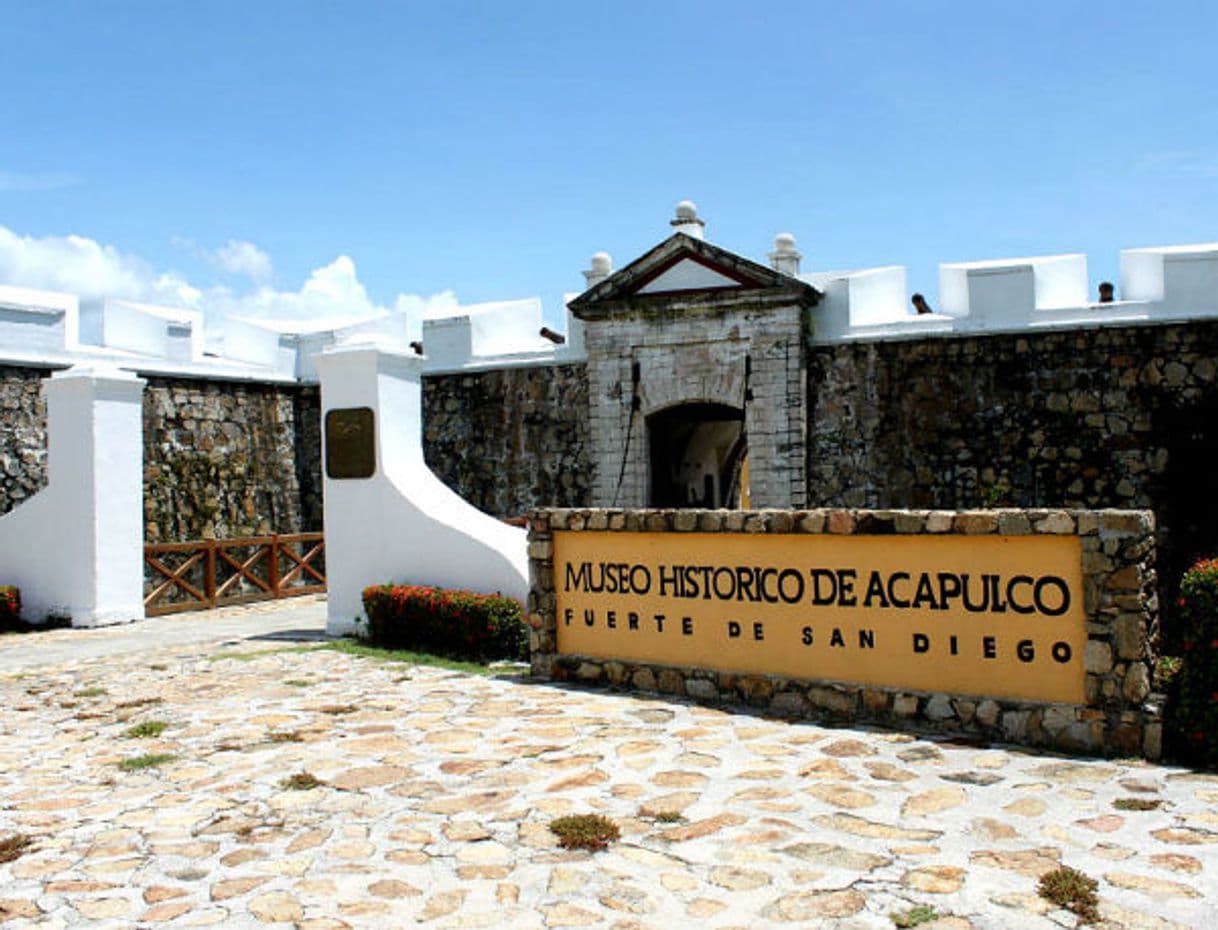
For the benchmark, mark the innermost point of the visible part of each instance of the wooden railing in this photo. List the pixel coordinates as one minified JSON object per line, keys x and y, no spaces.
{"x":210,"y":573}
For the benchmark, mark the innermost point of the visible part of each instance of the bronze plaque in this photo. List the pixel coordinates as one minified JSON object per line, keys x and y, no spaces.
{"x":350,"y":443}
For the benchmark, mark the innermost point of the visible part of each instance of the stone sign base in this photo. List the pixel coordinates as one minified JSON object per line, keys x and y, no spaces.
{"x":1118,"y":715}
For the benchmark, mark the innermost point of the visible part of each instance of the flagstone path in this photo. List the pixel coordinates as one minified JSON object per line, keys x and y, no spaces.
{"x":437,"y":789}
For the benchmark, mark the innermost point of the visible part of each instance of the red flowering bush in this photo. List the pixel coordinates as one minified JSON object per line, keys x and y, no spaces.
{"x":10,"y":605}
{"x":1193,"y":700}
{"x":446,"y":622}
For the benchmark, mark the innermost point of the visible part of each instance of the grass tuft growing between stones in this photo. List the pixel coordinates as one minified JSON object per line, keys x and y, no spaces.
{"x":1137,"y":804}
{"x":90,"y":692}
{"x":919,"y":914}
{"x":585,"y":831}
{"x":149,"y":761}
{"x":300,"y":683}
{"x":666,"y":816}
{"x":301,"y":781}
{"x":14,"y":847}
{"x":1072,"y":890}
{"x":146,"y":730}
{"x":337,"y":710}
{"x":140,"y":702}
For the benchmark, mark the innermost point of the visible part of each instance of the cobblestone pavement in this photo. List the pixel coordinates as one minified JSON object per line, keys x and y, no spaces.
{"x":438,"y":788}
{"x":295,"y":618}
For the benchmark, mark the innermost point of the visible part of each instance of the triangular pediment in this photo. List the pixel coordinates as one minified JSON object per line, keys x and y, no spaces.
{"x":688,"y":272}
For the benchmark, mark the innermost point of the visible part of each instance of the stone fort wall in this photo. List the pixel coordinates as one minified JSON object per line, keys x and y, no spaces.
{"x":221,"y":458}
{"x":23,"y":435}
{"x":1105,"y":417}
{"x":510,"y":439}
{"x":225,"y":459}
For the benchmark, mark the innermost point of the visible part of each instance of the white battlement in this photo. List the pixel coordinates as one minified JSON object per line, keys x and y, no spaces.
{"x":493,"y":335}
{"x":1183,"y":277}
{"x":172,"y":333}
{"x":1009,"y":295}
{"x":862,"y":301}
{"x":1009,"y":291}
{"x":1164,"y":284}
{"x":40,"y":322}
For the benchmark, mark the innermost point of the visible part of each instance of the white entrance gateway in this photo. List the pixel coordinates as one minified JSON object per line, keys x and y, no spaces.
{"x":388,"y":518}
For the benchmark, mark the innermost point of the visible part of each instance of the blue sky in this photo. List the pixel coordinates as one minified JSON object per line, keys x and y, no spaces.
{"x":489,"y":149}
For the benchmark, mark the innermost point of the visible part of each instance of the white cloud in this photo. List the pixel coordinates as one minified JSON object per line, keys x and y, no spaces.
{"x":332,"y":290}
{"x":85,"y":267}
{"x":238,"y":257}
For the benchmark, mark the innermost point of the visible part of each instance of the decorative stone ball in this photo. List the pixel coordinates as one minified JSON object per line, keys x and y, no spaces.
{"x":784,"y":242}
{"x":602,"y":262}
{"x":687,"y":210}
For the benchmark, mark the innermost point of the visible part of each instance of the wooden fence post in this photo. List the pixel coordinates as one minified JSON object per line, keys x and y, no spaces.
{"x":209,"y":573}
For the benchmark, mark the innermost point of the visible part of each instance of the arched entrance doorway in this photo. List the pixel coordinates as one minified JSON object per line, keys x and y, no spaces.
{"x":699,"y":456}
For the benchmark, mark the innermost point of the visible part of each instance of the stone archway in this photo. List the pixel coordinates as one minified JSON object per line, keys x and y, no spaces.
{"x":697,"y":454}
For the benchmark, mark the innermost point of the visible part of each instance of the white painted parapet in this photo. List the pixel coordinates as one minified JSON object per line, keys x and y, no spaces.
{"x":1182,"y":279}
{"x":872,"y":302}
{"x":576,"y":348}
{"x":401,"y":524}
{"x":1006,"y":293}
{"x":76,"y":548}
{"x":466,"y":335}
{"x":1158,"y":285}
{"x":248,"y":341}
{"x":33,"y":322}
{"x":172,"y":333}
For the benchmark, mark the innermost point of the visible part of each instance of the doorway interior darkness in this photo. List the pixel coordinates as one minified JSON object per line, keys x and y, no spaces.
{"x":698,"y":456}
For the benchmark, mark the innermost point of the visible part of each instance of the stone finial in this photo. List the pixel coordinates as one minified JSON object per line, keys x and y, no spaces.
{"x":602,"y":267}
{"x":785,"y":257}
{"x":687,"y":220}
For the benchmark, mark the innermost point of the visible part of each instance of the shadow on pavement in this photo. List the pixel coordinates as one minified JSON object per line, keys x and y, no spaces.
{"x":293,"y":636}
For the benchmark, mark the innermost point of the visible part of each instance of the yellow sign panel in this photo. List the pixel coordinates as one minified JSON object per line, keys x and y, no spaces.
{"x":979,"y":615}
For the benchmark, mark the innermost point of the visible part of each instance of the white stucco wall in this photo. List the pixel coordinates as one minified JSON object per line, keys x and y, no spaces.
{"x":75,"y":549}
{"x":34,"y":321}
{"x":1008,"y":291}
{"x":169,"y":332}
{"x":1181,"y":279}
{"x":403,"y":524}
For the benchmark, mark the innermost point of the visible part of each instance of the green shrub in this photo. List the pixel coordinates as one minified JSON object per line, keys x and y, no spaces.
{"x":149,"y":761}
{"x":146,"y":730}
{"x":10,"y":604}
{"x":585,"y":831}
{"x":446,"y":622}
{"x":919,"y":914}
{"x":301,"y":781}
{"x":1073,"y":890}
{"x":1192,"y":713}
